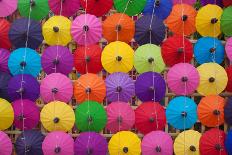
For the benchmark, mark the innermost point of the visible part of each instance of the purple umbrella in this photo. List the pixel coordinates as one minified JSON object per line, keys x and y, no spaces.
{"x":150,"y":86}
{"x":57,"y":59}
{"x":227,"y":111}
{"x":119,"y":87}
{"x":4,"y":56}
{"x":4,"y":79}
{"x":205,"y":2}
{"x":90,"y":143}
{"x":30,"y":87}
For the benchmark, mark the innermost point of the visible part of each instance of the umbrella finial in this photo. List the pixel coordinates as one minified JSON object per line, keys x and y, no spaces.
{"x":151,"y":120}
{"x":192,"y":148}
{"x":158,"y":149}
{"x":90,"y":119}
{"x":57,"y":150}
{"x":54,"y":90}
{"x":119,"y":119}
{"x":89,"y":151}
{"x":119,"y":58}
{"x":56,"y":120}
{"x":184,"y":114}
{"x":157,"y":3}
{"x":212,"y":50}
{"x":56,"y":29}
{"x":150,"y":60}
{"x":180,"y":50}
{"x":211,"y":79}
{"x":86,"y":28}
{"x":216,"y":112}
{"x":21,"y":117}
{"x":32,"y":2}
{"x":88,"y":90}
{"x":214,"y":20}
{"x":27,"y":148}
{"x":23,"y":64}
{"x":125,"y":150}
{"x":118,"y":89}
{"x":87,"y":58}
{"x":56,"y":62}
{"x":184,"y":18}
{"x":20,"y":90}
{"x":151,"y":88}
{"x":118,"y":28}
{"x":218,"y":147}
{"x":184,"y":79}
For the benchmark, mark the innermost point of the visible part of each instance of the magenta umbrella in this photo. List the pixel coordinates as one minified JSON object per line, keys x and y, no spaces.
{"x":58,"y":142}
{"x":228,"y":48}
{"x":190,"y":2}
{"x":86,"y":29}
{"x":4,"y":56}
{"x":56,"y":86}
{"x":7,"y":7}
{"x":5,"y":143}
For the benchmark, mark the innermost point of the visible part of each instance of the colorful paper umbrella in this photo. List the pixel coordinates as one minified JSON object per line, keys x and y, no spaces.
{"x":4,"y":79}
{"x":57,"y":59}
{"x":229,"y":74}
{"x":86,"y":29}
{"x":87,"y":59}
{"x":6,"y":145}
{"x":25,"y":86}
{"x":215,"y":2}
{"x":57,"y":30}
{"x":228,"y":142}
{"x":117,"y":57}
{"x":90,"y":116}
{"x":150,"y":116}
{"x":181,"y":20}
{"x":208,"y":20}
{"x":228,"y":48}
{"x":227,"y":111}
{"x":6,"y":114}
{"x":90,"y":143}
{"x":153,"y":145}
{"x":145,"y":34}
{"x":190,"y":2}
{"x":213,"y":79}
{"x":212,"y":142}
{"x":187,"y":142}
{"x":124,"y":142}
{"x":226,"y":21}
{"x":4,"y":56}
{"x":150,"y":86}
{"x":58,"y":142}
{"x":29,"y":142}
{"x":7,"y":7}
{"x":183,"y":117}
{"x":24,"y":61}
{"x":57,"y":116}
{"x":89,"y":87}
{"x":118,"y":27}
{"x":227,"y":3}
{"x":4,"y":31}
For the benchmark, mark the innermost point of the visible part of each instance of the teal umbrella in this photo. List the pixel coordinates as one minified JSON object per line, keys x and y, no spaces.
{"x":226,"y":21}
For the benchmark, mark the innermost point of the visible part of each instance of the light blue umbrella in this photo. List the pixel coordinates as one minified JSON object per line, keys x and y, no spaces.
{"x":24,"y":61}
{"x":181,"y":113}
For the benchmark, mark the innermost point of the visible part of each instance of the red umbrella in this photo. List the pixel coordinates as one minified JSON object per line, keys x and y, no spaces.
{"x":4,"y":30}
{"x":227,"y":3}
{"x":229,"y":74}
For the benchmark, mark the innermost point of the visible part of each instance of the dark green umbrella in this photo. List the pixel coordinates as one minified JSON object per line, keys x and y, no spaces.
{"x":226,"y":21}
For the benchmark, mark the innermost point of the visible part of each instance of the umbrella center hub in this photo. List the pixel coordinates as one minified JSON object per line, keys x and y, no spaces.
{"x":184,"y":18}
{"x":32,"y":2}
{"x":214,"y":20}
{"x":216,"y":112}
{"x":21,"y":117}
{"x":23,"y":64}
{"x":158,"y":149}
{"x":86,"y":28}
{"x":184,"y":114}
{"x":218,"y":147}
{"x":118,"y":89}
{"x":87,"y":58}
{"x":151,"y":120}
{"x":118,"y":28}
{"x":151,"y":88}
{"x":57,"y":150}
{"x":184,"y":79}
{"x":56,"y":120}
{"x":192,"y":148}
{"x":119,"y":58}
{"x":150,"y":60}
{"x":88,"y":90}
{"x":125,"y":150}
{"x":20,"y":90}
{"x":89,"y":151}
{"x":211,"y":79}
{"x":56,"y":62}
{"x":90,"y":119}
{"x":119,"y":119}
{"x":212,"y":50}
{"x":56,"y":29}
{"x":54,"y":90}
{"x":157,"y":3}
{"x":28,"y":148}
{"x":180,"y":50}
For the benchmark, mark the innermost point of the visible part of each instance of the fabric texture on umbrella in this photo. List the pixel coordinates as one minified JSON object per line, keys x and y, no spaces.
{"x":118,"y":27}
{"x":58,"y":142}
{"x":228,"y":48}
{"x":153,"y":145}
{"x":229,"y":74}
{"x":57,"y":116}
{"x":150,"y":116}
{"x":227,"y":3}
{"x":148,"y":58}
{"x":227,"y":111}
{"x":144,"y":34}
{"x":4,"y":31}
{"x":228,"y":142}
{"x":6,"y":145}
{"x":213,"y":79}
{"x":6,"y":114}
{"x":119,"y":87}
{"x":90,"y":116}
{"x":150,"y":86}
{"x":4,"y":56}
{"x":226,"y":21}
{"x":117,"y":57}
{"x":29,"y":142}
{"x":190,"y":2}
{"x":215,"y":2}
{"x":57,"y":59}
{"x":183,"y":117}
{"x":90,"y":143}
{"x":7,"y":7}
{"x":4,"y":79}
{"x":89,"y":87}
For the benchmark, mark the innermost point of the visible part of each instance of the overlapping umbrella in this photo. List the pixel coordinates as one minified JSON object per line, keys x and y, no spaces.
{"x":228,"y":48}
{"x":4,"y":56}
{"x":4,"y":79}
{"x":7,"y":7}
{"x":190,"y":2}
{"x":215,"y":2}
{"x":227,"y":3}
{"x":6,"y":114}
{"x":228,"y":142}
{"x":227,"y":111}
{"x":6,"y":144}
{"x":229,"y":74}
{"x":4,"y":31}
{"x":226,"y":21}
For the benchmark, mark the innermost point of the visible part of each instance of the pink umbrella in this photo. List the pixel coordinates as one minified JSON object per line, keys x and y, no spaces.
{"x":157,"y":143}
{"x":7,"y":7}
{"x":5,"y":143}
{"x":86,"y":29}
{"x":56,"y":86}
{"x":183,"y":79}
{"x":190,"y":2}
{"x":58,"y":142}
{"x":120,"y":117}
{"x":229,"y":48}
{"x":4,"y":56}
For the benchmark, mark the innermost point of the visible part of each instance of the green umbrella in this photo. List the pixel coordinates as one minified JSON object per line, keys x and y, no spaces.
{"x":133,"y":6}
{"x":148,"y":58}
{"x":90,"y":116}
{"x":39,"y":8}
{"x":226,"y":21}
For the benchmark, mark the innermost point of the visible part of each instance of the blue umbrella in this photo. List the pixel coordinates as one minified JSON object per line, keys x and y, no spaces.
{"x":181,"y":112}
{"x":24,"y":61}
{"x":4,"y":79}
{"x":227,"y":111}
{"x":208,"y":49}
{"x":228,"y":142}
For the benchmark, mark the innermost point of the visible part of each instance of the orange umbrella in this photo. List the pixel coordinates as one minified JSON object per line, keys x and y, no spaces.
{"x":118,"y":27}
{"x":89,"y":87}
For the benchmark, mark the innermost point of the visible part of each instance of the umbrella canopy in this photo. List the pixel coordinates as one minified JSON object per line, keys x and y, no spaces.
{"x":29,"y":142}
{"x":190,"y":2}
{"x":228,"y":48}
{"x":118,"y":27}
{"x":89,"y":87}
{"x":57,"y":59}
{"x":215,"y":2}
{"x":4,"y":31}
{"x":24,"y":61}
{"x":7,"y":7}
{"x":145,"y":34}
{"x":119,"y":87}
{"x":150,"y":116}
{"x":90,"y":143}
{"x":6,"y":145}
{"x":87,"y":59}
{"x":227,"y":3}
{"x":90,"y":116}
{"x":58,"y":142}
{"x":124,"y":142}
{"x":148,"y":58}
{"x":6,"y":114}
{"x":208,"y":20}
{"x":187,"y":142}
{"x":150,"y":86}
{"x":183,"y":117}
{"x":229,"y":74}
{"x":227,"y":111}
{"x":4,"y":56}
{"x":57,"y":116}
{"x":28,"y":90}
{"x":117,"y":57}
{"x":4,"y":79}
{"x":153,"y":145}
{"x":226,"y":21}
{"x":213,"y":79}
{"x":181,"y":20}
{"x":228,"y":142}
{"x":57,"y":30}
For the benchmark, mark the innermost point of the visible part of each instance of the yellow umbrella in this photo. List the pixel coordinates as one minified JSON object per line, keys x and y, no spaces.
{"x":213,"y":79}
{"x":57,"y":116}
{"x":57,"y":31}
{"x":187,"y":143}
{"x":117,"y":57}
{"x":208,"y":20}
{"x":6,"y":114}
{"x":125,"y":143}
